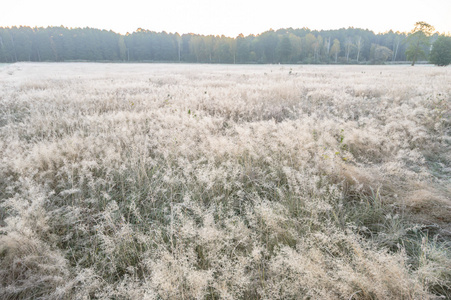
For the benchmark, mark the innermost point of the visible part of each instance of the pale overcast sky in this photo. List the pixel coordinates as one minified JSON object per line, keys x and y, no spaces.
{"x":228,"y":17}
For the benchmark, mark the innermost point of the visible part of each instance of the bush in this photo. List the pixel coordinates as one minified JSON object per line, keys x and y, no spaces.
{"x":441,"y":51}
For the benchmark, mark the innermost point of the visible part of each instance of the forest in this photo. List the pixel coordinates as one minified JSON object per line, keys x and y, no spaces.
{"x":341,"y":46}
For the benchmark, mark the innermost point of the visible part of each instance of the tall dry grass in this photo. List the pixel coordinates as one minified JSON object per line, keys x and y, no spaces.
{"x":122,"y":181}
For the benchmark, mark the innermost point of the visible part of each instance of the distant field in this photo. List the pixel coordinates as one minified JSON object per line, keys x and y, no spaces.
{"x":178,"y":181}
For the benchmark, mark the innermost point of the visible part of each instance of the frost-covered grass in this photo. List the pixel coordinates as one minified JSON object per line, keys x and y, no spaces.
{"x":134,"y":181}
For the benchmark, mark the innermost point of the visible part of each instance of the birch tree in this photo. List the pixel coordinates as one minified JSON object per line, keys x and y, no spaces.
{"x":359,"y":45}
{"x":327,"y":45}
{"x":348,"y":46}
{"x":335,"y":49}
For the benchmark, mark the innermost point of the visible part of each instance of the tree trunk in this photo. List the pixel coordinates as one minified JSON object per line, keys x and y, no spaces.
{"x":416,"y":53}
{"x":359,"y":48}
{"x":328,"y":46}
{"x":14,"y":47}
{"x":395,"y":52}
{"x":39,"y":55}
{"x":180,"y":56}
{"x":348,"y":49}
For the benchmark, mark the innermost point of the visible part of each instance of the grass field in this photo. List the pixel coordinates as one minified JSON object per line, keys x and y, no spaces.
{"x":166,"y":181}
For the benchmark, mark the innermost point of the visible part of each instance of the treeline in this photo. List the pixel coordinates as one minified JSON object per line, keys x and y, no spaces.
{"x":351,"y":45}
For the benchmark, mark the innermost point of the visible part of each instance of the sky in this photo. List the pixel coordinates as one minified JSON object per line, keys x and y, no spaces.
{"x":227,"y":17}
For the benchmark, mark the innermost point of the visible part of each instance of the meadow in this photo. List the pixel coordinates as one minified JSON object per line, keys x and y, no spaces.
{"x":179,"y":181}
